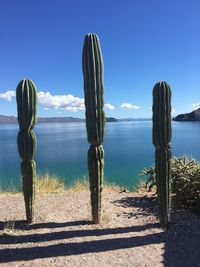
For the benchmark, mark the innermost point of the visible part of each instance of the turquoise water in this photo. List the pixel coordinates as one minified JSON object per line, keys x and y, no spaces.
{"x":62,"y":150}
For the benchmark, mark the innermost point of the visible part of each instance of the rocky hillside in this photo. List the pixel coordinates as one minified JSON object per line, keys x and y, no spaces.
{"x":7,"y":119}
{"x":192,"y":116}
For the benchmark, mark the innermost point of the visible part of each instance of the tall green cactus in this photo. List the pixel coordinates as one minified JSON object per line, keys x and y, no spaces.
{"x":26,"y":96}
{"x":93,"y":72}
{"x":161,"y":141}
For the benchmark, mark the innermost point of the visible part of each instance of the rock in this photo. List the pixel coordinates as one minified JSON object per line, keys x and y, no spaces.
{"x":123,"y":190}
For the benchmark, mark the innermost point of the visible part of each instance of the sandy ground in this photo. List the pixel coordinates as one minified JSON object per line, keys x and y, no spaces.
{"x":63,"y":235}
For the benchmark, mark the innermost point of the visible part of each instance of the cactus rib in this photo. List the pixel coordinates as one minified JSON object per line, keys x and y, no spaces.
{"x":93,"y":71}
{"x":26,"y":96}
{"x":161,"y":141}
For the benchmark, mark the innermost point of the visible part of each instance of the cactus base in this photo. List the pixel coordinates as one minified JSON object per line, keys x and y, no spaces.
{"x":96,"y":170}
{"x":163,"y":179}
{"x":28,"y":181}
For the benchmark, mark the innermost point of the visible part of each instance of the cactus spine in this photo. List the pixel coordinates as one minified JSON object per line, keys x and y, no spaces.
{"x":161,"y":141}
{"x":93,"y":72}
{"x":26,"y":96}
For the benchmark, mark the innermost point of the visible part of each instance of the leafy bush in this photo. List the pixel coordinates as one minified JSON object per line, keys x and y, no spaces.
{"x":185,"y":181}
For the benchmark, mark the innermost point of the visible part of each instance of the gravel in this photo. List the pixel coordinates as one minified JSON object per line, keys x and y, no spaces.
{"x":63,"y":234}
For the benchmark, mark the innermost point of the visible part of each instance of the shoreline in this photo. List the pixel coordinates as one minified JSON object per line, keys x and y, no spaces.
{"x":54,"y":184}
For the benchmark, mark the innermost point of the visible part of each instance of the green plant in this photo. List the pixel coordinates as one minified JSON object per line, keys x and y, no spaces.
{"x":151,"y":181}
{"x":185,"y":181}
{"x":161,"y":141}
{"x":26,"y":96}
{"x":8,"y":228}
{"x":92,"y":63}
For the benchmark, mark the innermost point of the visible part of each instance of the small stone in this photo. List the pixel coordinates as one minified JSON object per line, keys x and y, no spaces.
{"x":123,"y":191}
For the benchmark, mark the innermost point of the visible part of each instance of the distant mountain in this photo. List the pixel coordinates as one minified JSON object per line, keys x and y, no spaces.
{"x":59,"y":119}
{"x":192,"y":116}
{"x":111,"y":119}
{"x":11,"y":119}
{"x":7,"y":119}
{"x":68,"y":119}
{"x":136,"y":119}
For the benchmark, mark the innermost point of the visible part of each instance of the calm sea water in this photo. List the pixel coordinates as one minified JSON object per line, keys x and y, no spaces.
{"x":62,"y":150}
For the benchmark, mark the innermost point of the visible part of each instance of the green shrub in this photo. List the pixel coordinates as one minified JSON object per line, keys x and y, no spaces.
{"x":185,"y":181}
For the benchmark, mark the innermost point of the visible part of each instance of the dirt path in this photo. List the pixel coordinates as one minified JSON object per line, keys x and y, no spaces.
{"x":63,"y":235}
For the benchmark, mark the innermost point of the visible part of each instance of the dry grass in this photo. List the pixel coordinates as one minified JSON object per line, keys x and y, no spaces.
{"x":112,"y":188}
{"x":80,"y":185}
{"x":47,"y":184}
{"x":142,"y":188}
{"x":83,"y":185}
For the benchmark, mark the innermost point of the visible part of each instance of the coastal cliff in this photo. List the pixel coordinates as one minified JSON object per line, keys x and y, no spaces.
{"x":192,"y":116}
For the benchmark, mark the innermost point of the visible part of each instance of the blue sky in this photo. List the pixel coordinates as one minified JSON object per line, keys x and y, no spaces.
{"x":143,"y":41}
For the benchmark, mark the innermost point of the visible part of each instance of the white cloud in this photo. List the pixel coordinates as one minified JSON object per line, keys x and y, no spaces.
{"x":109,"y":106}
{"x":7,"y":95}
{"x":129,"y":106}
{"x":68,"y":102}
{"x":195,"y":106}
{"x":173,"y":111}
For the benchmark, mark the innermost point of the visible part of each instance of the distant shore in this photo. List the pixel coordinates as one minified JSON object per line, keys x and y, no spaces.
{"x":4,"y":119}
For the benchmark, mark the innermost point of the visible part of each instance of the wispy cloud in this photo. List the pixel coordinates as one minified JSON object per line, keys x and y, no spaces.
{"x":7,"y":95}
{"x":109,"y":106}
{"x":129,"y":106}
{"x":195,"y":106}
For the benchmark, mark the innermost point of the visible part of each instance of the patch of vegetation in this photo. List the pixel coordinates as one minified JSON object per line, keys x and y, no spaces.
{"x":141,"y":187}
{"x":83,"y":184}
{"x":185,"y":181}
{"x":9,"y":228}
{"x":10,"y":188}
{"x":80,"y":184}
{"x":49,"y":184}
{"x":53,"y":184}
